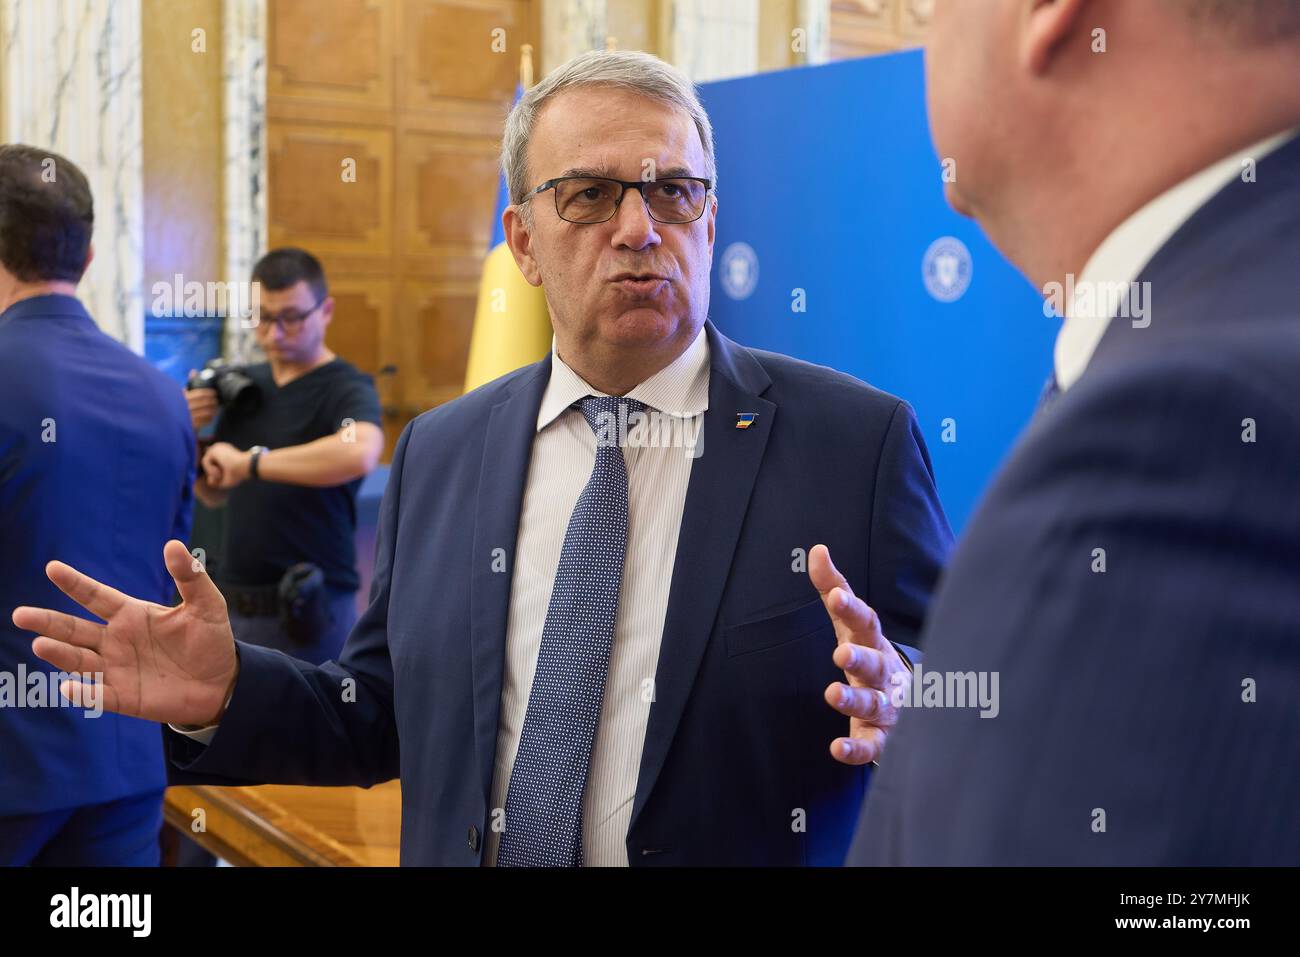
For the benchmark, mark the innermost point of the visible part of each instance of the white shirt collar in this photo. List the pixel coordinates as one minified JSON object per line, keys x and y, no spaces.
{"x":1126,"y":251}
{"x":680,"y":388}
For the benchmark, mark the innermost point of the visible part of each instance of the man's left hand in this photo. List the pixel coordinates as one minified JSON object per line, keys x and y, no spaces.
{"x":873,"y":667}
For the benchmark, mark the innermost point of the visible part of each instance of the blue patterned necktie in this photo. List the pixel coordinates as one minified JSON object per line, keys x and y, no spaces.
{"x":543,"y":825}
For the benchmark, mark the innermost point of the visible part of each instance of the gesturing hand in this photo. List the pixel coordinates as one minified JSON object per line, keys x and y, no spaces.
{"x":175,"y":665}
{"x":871,"y":664}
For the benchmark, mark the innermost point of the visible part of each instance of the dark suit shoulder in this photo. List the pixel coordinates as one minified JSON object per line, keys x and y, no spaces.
{"x":35,"y":352}
{"x":472,"y":410}
{"x":1251,"y":354}
{"x":1138,"y":551}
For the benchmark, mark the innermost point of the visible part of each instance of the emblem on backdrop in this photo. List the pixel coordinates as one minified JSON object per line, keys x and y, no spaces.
{"x":946,"y":269}
{"x":738,"y":270}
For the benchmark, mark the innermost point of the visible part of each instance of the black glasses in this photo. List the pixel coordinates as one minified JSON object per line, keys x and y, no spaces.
{"x":588,"y":200}
{"x":289,"y":319}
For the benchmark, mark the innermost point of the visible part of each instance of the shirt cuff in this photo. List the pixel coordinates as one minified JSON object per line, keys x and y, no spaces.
{"x":203,"y":735}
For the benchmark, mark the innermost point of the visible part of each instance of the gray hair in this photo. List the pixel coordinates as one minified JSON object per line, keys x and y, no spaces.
{"x":629,"y":69}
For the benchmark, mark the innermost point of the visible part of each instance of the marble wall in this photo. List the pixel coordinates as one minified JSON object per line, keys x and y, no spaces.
{"x":713,"y":39}
{"x":814,"y":18}
{"x":244,"y":147}
{"x":706,"y":39}
{"x":570,"y":27}
{"x":70,"y":80}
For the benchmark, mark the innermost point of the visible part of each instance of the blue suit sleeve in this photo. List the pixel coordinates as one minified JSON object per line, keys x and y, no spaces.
{"x":909,"y":537}
{"x":290,"y":722}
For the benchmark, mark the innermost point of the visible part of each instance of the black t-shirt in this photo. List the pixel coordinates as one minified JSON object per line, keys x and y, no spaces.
{"x":271,"y":526}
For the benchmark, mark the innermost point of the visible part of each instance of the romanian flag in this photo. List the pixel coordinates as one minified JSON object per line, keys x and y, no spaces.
{"x":512,"y":327}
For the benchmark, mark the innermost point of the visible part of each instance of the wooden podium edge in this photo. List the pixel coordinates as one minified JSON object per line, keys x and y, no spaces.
{"x":288,"y":841}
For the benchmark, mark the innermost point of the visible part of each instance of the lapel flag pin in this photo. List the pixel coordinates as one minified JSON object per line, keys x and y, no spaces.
{"x":745,"y":419}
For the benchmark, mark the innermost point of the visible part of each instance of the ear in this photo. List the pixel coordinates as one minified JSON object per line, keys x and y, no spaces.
{"x":90,"y":258}
{"x":520,"y":240}
{"x":1049,"y":25}
{"x":713,"y":220}
{"x":327,"y":310}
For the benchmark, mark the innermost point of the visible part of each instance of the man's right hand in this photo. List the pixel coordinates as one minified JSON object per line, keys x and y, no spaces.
{"x":175,"y":665}
{"x":203,"y":405}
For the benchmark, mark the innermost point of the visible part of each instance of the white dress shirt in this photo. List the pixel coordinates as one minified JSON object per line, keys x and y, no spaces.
{"x":1132,"y":245}
{"x":563,"y":456}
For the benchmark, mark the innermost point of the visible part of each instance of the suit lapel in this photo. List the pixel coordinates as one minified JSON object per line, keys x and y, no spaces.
{"x":717,"y":498}
{"x":507,"y":448}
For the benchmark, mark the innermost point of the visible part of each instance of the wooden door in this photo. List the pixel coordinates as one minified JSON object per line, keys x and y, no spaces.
{"x":384,"y":120}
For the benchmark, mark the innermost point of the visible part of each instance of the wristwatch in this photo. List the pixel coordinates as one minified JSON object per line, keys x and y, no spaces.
{"x":256,"y":451}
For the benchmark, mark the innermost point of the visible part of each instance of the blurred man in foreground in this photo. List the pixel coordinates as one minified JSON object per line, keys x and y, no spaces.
{"x":1133,"y":573}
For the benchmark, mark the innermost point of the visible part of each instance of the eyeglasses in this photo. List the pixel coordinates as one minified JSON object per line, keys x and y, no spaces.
{"x":289,"y":320}
{"x":588,"y":200}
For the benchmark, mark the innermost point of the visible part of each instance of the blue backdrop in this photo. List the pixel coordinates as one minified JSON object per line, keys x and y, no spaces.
{"x":829,"y":178}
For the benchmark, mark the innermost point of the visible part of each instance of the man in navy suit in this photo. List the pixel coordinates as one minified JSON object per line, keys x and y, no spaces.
{"x":597,"y":633}
{"x":96,"y":465}
{"x":1133,"y":573}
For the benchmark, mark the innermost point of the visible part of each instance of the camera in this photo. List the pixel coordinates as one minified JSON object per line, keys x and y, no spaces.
{"x":235,"y":390}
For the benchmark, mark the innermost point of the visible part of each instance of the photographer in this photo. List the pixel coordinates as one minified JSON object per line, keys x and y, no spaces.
{"x":295,"y":436}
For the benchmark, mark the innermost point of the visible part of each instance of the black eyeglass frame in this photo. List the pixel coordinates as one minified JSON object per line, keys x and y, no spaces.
{"x":624,"y":185}
{"x":278,"y":319}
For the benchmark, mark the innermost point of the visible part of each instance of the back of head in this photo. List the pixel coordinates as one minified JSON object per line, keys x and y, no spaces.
{"x":47,"y":216}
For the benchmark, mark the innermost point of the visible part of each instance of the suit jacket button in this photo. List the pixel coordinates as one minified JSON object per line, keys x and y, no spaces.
{"x":473,"y":838}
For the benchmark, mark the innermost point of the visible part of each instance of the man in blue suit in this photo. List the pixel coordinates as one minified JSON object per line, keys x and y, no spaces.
{"x":1133,"y":573}
{"x":96,"y":465}
{"x":596,"y":634}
